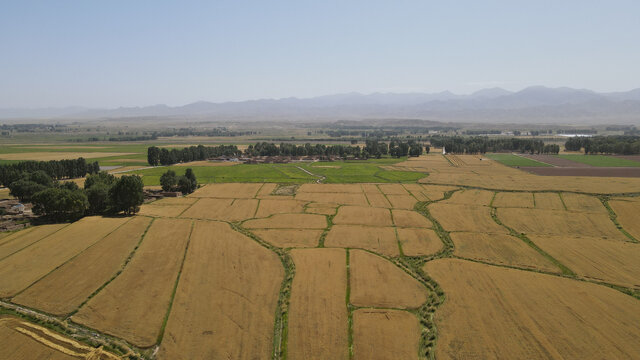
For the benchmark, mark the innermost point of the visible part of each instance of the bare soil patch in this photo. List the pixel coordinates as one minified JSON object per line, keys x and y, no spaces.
{"x":619,"y":172}
{"x":557,"y":161}
{"x":45,"y":156}
{"x":317,"y":313}
{"x":385,"y":334}
{"x":376,"y":282}
{"x":499,"y":313}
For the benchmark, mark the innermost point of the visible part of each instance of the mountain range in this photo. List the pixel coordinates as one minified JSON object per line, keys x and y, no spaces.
{"x":536,"y":104}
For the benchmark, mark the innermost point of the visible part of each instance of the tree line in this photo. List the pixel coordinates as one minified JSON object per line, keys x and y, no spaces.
{"x":103,"y":194}
{"x":481,"y":145}
{"x":372,"y":148}
{"x":615,"y":144}
{"x":162,"y":156}
{"x":55,"y":169}
{"x":186,"y":183}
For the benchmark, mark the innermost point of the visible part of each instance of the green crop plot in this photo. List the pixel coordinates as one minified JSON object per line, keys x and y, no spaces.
{"x":515,"y":160}
{"x":601,"y":160}
{"x":329,"y":172}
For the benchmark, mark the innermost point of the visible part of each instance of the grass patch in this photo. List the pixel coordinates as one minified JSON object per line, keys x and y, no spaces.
{"x":515,"y":160}
{"x":600,"y":160}
{"x":345,"y":172}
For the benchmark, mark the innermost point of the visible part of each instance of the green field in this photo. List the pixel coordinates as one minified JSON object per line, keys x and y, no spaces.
{"x":338,"y":172}
{"x":515,"y":160}
{"x":601,"y":160}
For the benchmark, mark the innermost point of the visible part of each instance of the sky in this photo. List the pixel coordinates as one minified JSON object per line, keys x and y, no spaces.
{"x":139,"y":53}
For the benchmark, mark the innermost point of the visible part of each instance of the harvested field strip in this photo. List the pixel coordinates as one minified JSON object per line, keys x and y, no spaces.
{"x":418,"y":242}
{"x":417,"y":191}
{"x":266,"y":190}
{"x":236,"y":321}
{"x":454,"y":217}
{"x":330,"y":188}
{"x":376,"y":282}
{"x":269,"y":207}
{"x":22,"y":269}
{"x":360,"y":215}
{"x":500,"y":249}
{"x":513,"y":200}
{"x":176,"y":201}
{"x":288,"y":221}
{"x":286,"y":238}
{"x":163,"y":210}
{"x":334,"y":198}
{"x":552,"y":222}
{"x":393,"y":189}
{"x":381,"y":240}
{"x":22,"y":340}
{"x":402,"y":201}
{"x":57,"y":294}
{"x":318,"y":326}
{"x":228,"y":191}
{"x":583,"y":203}
{"x":548,"y":201}
{"x":471,"y":197}
{"x":133,"y":305}
{"x":613,"y":262}
{"x":495,"y":312}
{"x":222,"y":209}
{"x":25,"y":238}
{"x":408,"y":218}
{"x":626,"y":214}
{"x":385,"y":334}
{"x":377,"y":199}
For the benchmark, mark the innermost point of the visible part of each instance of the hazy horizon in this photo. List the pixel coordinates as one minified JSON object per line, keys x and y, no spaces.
{"x":122,"y":54}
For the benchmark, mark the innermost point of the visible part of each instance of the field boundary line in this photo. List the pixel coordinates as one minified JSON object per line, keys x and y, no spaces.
{"x":350,"y":307}
{"x":71,"y":258}
{"x":35,"y":242}
{"x":614,"y":218}
{"x":280,"y":325}
{"x":173,"y":293}
{"x":124,"y":265}
{"x":524,"y":157}
{"x":565,"y":270}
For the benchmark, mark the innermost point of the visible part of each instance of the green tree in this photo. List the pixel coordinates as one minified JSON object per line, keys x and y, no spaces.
{"x":100,"y":178}
{"x":153,"y":156}
{"x":168,"y":180}
{"x":60,"y":204}
{"x":126,"y":195}
{"x":98,"y":197}
{"x":185,"y":185}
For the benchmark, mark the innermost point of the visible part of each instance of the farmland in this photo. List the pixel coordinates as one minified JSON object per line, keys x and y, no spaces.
{"x":472,"y":259}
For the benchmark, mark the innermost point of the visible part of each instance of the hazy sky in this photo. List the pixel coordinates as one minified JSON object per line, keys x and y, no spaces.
{"x":130,"y":53}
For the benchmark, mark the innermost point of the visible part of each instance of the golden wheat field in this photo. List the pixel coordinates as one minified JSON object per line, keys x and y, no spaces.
{"x":474,"y":261}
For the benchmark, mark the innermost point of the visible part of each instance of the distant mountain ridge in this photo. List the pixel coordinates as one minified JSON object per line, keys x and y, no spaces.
{"x":532,"y":104}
